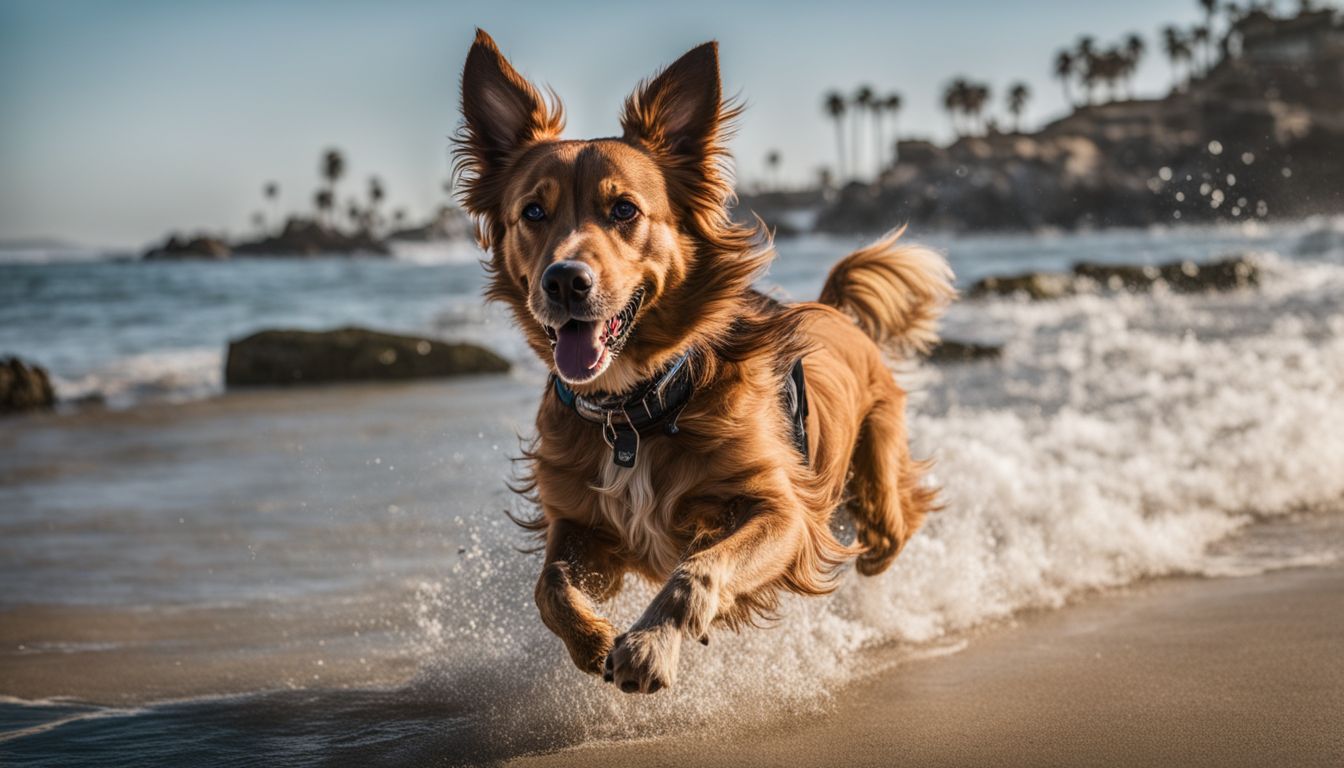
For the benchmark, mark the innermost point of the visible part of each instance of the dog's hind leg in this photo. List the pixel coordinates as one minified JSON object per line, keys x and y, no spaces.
{"x":888,"y":499}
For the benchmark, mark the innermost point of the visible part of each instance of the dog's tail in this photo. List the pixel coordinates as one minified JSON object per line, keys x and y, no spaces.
{"x":895,"y":292}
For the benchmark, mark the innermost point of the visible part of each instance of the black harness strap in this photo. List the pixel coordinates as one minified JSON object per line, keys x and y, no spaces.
{"x":659,"y":402}
{"x":795,"y":405}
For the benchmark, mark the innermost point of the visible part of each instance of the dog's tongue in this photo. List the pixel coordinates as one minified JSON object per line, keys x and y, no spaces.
{"x":578,"y":348}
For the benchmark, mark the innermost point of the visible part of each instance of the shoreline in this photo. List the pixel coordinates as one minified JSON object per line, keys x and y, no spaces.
{"x":1185,"y":671}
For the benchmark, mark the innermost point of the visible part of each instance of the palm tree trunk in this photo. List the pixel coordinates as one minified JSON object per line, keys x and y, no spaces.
{"x":881,"y":143}
{"x":840,"y":174}
{"x":855,"y":126}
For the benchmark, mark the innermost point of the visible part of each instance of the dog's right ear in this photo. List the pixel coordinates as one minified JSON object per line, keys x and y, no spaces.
{"x":503,"y":114}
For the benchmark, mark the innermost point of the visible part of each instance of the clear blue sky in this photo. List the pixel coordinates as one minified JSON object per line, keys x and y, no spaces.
{"x":122,"y":120}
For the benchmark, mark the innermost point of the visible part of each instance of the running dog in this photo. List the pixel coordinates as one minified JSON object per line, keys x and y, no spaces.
{"x":694,"y":431}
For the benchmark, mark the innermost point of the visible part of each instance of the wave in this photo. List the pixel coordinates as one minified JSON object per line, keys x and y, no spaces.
{"x":1119,"y":438}
{"x":171,"y":375}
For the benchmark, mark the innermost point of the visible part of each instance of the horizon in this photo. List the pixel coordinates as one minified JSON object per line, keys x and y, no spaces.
{"x":141,"y":133}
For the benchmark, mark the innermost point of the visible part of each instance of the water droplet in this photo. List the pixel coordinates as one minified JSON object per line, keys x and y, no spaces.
{"x":1287,"y":173}
{"x":1215,"y":147}
{"x":1247,"y":158}
{"x":1180,"y":197}
{"x":1164,"y":173}
{"x":1231,"y":180}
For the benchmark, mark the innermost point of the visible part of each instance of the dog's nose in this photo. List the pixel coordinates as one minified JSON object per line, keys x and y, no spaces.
{"x":567,"y":282}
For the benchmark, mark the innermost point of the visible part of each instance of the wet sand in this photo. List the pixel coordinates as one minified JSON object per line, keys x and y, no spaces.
{"x":1229,"y":672}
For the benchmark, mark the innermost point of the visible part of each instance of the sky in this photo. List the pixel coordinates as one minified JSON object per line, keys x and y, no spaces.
{"x":123,"y":121}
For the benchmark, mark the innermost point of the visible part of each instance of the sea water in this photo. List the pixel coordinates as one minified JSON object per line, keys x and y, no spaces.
{"x":1119,"y":438}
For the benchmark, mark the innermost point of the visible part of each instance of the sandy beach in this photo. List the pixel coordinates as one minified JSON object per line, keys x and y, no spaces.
{"x":1189,"y":672}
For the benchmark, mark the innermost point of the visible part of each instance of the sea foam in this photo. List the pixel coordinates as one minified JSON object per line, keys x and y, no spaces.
{"x":1119,"y":438}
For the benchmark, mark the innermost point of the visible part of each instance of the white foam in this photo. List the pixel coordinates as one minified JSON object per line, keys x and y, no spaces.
{"x":172,"y":375}
{"x":1119,"y":438}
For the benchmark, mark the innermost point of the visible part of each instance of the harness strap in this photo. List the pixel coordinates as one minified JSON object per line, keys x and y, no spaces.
{"x":659,"y":403}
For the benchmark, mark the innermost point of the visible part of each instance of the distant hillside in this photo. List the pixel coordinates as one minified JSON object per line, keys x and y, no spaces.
{"x":1260,"y":135}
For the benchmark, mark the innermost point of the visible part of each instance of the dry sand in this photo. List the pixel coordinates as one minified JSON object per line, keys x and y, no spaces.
{"x":1231,"y":672}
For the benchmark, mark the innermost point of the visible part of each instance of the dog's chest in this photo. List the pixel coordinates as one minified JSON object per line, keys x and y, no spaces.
{"x":639,"y":504}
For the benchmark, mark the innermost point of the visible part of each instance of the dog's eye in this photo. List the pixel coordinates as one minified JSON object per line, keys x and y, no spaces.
{"x":624,"y":210}
{"x":534,"y":212}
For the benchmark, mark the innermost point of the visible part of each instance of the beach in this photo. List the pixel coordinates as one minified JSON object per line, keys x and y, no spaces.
{"x":1234,"y":672}
{"x":1134,"y":563}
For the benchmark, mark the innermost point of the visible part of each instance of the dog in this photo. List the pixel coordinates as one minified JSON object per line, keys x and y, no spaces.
{"x":694,"y":432}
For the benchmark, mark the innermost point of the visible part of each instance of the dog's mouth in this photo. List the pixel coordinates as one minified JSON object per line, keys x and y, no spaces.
{"x":583,"y":349}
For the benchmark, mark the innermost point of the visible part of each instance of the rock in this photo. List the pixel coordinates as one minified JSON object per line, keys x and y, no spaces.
{"x":201,"y":247}
{"x":1183,"y":277}
{"x":1036,"y":285}
{"x":1228,"y":274}
{"x":286,"y":357}
{"x":24,"y":387}
{"x":302,"y":237}
{"x":952,"y":351}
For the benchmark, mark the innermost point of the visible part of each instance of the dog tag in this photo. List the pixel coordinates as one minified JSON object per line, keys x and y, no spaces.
{"x":625,"y":447}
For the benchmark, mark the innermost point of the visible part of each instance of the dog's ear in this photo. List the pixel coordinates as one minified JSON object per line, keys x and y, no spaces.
{"x":680,"y":117}
{"x":503,"y":113}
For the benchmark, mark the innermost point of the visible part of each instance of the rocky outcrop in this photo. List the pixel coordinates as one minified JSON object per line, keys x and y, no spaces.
{"x":201,"y":247}
{"x":1227,"y":274}
{"x":24,"y":387}
{"x":302,"y":237}
{"x":1257,"y":137}
{"x":289,"y":357}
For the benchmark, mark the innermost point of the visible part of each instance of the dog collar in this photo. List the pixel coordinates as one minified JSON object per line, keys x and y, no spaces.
{"x":655,"y":403}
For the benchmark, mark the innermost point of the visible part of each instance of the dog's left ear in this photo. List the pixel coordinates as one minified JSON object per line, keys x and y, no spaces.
{"x":679,"y":116}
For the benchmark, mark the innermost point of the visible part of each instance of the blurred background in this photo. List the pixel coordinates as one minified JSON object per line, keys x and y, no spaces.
{"x":207,"y":208}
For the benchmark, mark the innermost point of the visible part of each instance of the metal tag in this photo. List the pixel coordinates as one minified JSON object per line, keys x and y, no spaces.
{"x":625,"y":447}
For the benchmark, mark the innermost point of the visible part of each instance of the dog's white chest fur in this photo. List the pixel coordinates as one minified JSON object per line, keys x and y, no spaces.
{"x":640,"y":506}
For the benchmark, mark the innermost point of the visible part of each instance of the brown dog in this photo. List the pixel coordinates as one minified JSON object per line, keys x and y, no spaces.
{"x":670,"y":442}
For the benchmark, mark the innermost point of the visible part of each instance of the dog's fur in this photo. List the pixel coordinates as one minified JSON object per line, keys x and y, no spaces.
{"x":725,"y":514}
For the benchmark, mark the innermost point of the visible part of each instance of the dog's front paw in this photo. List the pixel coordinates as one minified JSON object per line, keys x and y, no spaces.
{"x":645,"y":660}
{"x":589,"y":646}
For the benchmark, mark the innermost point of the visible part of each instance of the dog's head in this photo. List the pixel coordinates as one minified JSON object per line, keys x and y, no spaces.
{"x":614,"y":254}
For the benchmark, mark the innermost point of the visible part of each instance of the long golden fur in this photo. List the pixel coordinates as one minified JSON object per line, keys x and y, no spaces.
{"x":725,"y":515}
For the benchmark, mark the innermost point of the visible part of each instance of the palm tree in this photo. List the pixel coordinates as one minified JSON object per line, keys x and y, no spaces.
{"x":892,"y":104}
{"x":835,"y":108}
{"x":863,"y":99}
{"x":976,"y":99}
{"x":376,"y":194}
{"x":876,"y":106}
{"x":954,"y":101}
{"x":1064,"y":71}
{"x":1134,"y":50}
{"x":1210,"y":7}
{"x":323,"y":201}
{"x":1200,"y":36}
{"x":1173,"y":44}
{"x":772,"y":161}
{"x":333,"y":168}
{"x":1017,"y":101}
{"x":271,"y":191}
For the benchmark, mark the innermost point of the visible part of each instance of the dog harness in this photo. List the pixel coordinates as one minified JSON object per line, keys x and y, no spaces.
{"x":659,"y":402}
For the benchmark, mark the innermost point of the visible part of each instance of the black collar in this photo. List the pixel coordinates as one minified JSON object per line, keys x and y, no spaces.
{"x":624,"y":418}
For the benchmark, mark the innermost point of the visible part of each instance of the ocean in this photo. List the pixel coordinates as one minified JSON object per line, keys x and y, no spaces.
{"x":327,"y":576}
